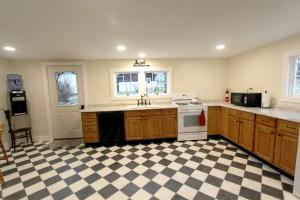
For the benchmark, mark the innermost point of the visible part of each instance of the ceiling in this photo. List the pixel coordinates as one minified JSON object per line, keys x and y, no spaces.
{"x":91,"y":29}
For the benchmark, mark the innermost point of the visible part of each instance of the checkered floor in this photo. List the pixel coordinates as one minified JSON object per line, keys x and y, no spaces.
{"x":210,"y":169}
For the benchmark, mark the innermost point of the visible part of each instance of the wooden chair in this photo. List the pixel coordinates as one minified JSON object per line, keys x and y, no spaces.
{"x":3,"y":151}
{"x":15,"y":130}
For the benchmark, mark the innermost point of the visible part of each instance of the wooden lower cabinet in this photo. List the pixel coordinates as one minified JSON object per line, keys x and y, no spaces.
{"x":152,"y":127}
{"x":134,"y":128}
{"x":264,"y":142}
{"x":169,"y":126}
{"x":224,"y":121}
{"x":90,"y":127}
{"x":246,"y":134}
{"x":286,"y":151}
{"x":233,"y":128}
{"x":213,"y":120}
{"x":151,"y":124}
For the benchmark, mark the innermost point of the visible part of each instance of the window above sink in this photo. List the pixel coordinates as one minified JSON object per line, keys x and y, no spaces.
{"x":131,"y":84}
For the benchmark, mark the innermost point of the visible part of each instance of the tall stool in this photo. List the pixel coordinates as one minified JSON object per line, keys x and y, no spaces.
{"x":18,"y":124}
{"x":3,"y":151}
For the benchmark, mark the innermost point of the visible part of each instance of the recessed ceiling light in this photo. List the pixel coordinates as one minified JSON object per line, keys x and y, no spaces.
{"x":8,"y":48}
{"x":142,"y":55}
{"x":121,"y":48}
{"x":220,"y":46}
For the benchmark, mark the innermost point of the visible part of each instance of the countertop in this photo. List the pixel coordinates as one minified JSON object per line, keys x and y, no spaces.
{"x":286,"y":114}
{"x":106,"y":108}
{"x":279,"y":113}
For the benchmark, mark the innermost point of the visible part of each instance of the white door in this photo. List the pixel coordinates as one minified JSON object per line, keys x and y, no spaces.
{"x":66,"y":98}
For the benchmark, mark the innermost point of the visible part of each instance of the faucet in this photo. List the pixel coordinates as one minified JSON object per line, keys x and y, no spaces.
{"x":142,"y":99}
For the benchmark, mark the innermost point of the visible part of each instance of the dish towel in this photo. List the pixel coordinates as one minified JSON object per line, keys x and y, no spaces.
{"x":202,"y":119}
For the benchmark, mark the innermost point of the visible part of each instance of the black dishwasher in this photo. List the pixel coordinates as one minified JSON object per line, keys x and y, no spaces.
{"x":111,"y":127}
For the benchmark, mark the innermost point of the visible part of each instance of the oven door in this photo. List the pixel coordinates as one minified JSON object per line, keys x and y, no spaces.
{"x":189,"y":122}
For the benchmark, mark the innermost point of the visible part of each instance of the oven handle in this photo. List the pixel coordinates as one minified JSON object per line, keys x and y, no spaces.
{"x":191,"y":111}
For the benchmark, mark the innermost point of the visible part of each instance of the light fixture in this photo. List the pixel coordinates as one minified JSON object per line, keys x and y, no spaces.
{"x":220,"y":47}
{"x":121,"y":48}
{"x":142,"y":55}
{"x":140,"y":63}
{"x":9,"y":48}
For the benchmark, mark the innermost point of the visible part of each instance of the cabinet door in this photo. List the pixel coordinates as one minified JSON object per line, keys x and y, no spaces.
{"x":233,"y":128}
{"x":134,"y":128}
{"x":246,"y":134}
{"x":264,"y":144}
{"x":224,"y":121}
{"x":152,"y":127}
{"x":169,"y":126}
{"x":212,"y":121}
{"x":286,"y":151}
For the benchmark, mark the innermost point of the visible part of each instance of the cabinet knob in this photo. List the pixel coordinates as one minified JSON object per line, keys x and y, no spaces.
{"x":279,"y":134}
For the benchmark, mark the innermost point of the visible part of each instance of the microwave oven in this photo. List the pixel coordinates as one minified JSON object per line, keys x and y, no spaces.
{"x":246,"y":99}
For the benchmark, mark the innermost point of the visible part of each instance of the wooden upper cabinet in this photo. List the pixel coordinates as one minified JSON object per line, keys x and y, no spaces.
{"x":152,"y":127}
{"x":286,"y":145}
{"x":90,"y":127}
{"x":233,"y":128}
{"x":264,"y":142}
{"x":213,"y":118}
{"x":246,"y":134}
{"x":169,"y":123}
{"x":133,"y":128}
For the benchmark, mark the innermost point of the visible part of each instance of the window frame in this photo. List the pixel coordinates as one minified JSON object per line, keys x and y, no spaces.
{"x":289,"y":78}
{"x":141,"y":81}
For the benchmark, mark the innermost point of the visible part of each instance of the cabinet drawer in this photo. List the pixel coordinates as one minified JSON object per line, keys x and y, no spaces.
{"x":91,"y":134}
{"x":91,"y":138}
{"x":268,"y":121}
{"x":89,"y":115}
{"x":242,"y":114}
{"x":151,"y":112}
{"x":133,"y":113}
{"x":169,"y":111}
{"x":89,"y":122}
{"x":288,"y":126}
{"x":89,"y":128}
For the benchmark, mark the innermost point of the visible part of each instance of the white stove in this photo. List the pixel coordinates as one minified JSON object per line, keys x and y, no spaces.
{"x":189,"y":126}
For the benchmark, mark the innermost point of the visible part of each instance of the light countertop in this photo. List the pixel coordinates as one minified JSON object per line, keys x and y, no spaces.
{"x":289,"y":115}
{"x":279,"y":113}
{"x":107,"y":108}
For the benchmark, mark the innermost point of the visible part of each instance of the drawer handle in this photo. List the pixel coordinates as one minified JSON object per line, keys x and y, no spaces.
{"x":291,"y":127}
{"x":273,"y":133}
{"x":279,"y":135}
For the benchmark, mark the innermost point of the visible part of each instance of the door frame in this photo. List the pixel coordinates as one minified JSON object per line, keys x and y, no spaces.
{"x":49,"y":113}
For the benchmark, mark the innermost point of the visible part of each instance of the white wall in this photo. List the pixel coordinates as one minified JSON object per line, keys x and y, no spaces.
{"x":207,"y":77}
{"x":262,"y":69}
{"x":5,"y":68}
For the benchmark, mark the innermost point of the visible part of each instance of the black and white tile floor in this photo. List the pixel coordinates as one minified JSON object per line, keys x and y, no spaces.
{"x":210,"y":169}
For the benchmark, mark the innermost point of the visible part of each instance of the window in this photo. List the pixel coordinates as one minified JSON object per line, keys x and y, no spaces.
{"x":130,"y":84}
{"x":296,"y":78}
{"x":292,"y":79}
{"x":127,"y":84}
{"x":66,"y":86}
{"x":156,"y":83}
